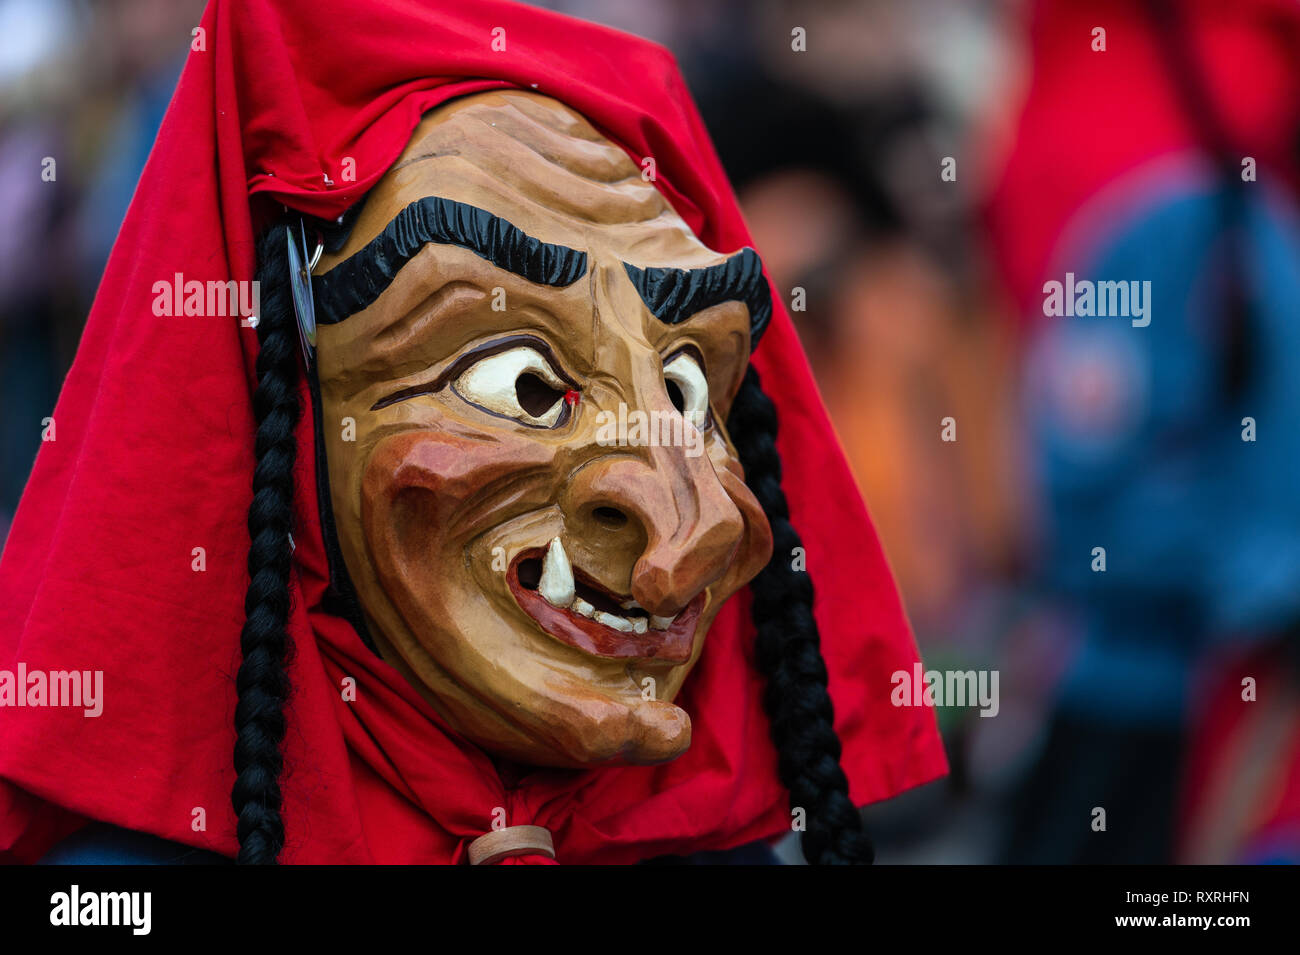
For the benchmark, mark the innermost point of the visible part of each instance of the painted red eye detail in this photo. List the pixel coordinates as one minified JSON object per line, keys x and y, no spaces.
{"x":571,"y":397}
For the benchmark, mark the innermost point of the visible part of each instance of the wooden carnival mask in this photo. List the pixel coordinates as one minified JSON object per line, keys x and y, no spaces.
{"x":541,"y":511}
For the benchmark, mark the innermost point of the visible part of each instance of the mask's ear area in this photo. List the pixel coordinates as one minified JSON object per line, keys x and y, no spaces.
{"x":335,"y":234}
{"x":262,"y":682}
{"x":788,"y":653}
{"x":340,"y":598}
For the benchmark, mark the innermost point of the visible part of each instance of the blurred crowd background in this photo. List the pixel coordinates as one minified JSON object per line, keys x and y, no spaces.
{"x":1164,"y":688}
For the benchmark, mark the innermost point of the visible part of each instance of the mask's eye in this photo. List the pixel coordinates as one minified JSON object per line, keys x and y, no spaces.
{"x":519,"y":383}
{"x":688,"y":389}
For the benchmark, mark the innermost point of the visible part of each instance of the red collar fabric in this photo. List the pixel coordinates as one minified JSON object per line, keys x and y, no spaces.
{"x":153,"y":456}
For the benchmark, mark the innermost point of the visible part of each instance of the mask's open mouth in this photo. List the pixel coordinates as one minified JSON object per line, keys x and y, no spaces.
{"x":574,"y":609}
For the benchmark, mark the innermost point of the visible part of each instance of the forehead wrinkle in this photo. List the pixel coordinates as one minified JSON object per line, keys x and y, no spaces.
{"x":473,"y":138}
{"x":561,"y":189}
{"x":583,"y":157}
{"x":532,"y":208}
{"x":543,"y":109}
{"x":633,"y":176}
{"x":619,"y":176}
{"x":638,"y":239}
{"x":422,"y":157}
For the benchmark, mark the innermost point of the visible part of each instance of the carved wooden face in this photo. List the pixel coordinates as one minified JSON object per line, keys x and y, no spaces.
{"x":535,"y":496}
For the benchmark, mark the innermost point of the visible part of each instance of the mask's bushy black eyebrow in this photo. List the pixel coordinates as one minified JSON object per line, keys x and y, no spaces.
{"x":355,"y":283}
{"x":674,"y":295}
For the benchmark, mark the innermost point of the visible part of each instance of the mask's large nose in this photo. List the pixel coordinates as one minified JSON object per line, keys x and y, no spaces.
{"x":655,"y":506}
{"x":668,"y":505}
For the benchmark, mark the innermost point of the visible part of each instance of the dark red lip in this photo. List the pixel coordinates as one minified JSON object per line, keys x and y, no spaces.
{"x":673,"y":645}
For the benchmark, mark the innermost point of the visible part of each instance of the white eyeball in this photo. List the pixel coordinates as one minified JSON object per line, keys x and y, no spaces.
{"x":518,"y":383}
{"x":683,"y":373}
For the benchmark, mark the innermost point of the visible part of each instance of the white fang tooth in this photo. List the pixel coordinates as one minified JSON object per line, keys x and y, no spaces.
{"x":639,"y":625}
{"x":556,"y":585}
{"x":661,"y":623}
{"x":613,"y":621}
{"x":630,"y":605}
{"x":581,"y":606}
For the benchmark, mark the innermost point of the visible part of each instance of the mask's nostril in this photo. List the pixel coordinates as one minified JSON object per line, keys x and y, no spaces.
{"x":609,"y":517}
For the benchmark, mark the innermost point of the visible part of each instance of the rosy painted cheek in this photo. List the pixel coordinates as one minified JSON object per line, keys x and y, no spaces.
{"x":471,"y":480}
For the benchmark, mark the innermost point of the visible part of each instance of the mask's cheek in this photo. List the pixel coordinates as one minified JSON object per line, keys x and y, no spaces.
{"x":426,"y":495}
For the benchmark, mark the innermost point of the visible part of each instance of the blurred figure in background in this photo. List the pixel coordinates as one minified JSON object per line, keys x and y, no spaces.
{"x":874,"y":254}
{"x":36,"y":88}
{"x":83,"y":87}
{"x":1165,"y":442}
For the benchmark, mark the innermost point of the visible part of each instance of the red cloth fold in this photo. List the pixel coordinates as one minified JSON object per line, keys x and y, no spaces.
{"x":153,"y":458}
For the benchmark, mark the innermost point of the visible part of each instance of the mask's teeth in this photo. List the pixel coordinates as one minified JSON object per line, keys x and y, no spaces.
{"x":615,"y":622}
{"x":661,"y":623}
{"x":556,"y":585}
{"x":630,"y":605}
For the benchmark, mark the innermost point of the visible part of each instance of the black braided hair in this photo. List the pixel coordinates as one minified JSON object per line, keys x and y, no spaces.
{"x":263,"y":683}
{"x":788,"y":653}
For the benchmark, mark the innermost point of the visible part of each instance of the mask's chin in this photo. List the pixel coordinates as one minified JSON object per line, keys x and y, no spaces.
{"x":564,"y":723}
{"x":597,"y":731}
